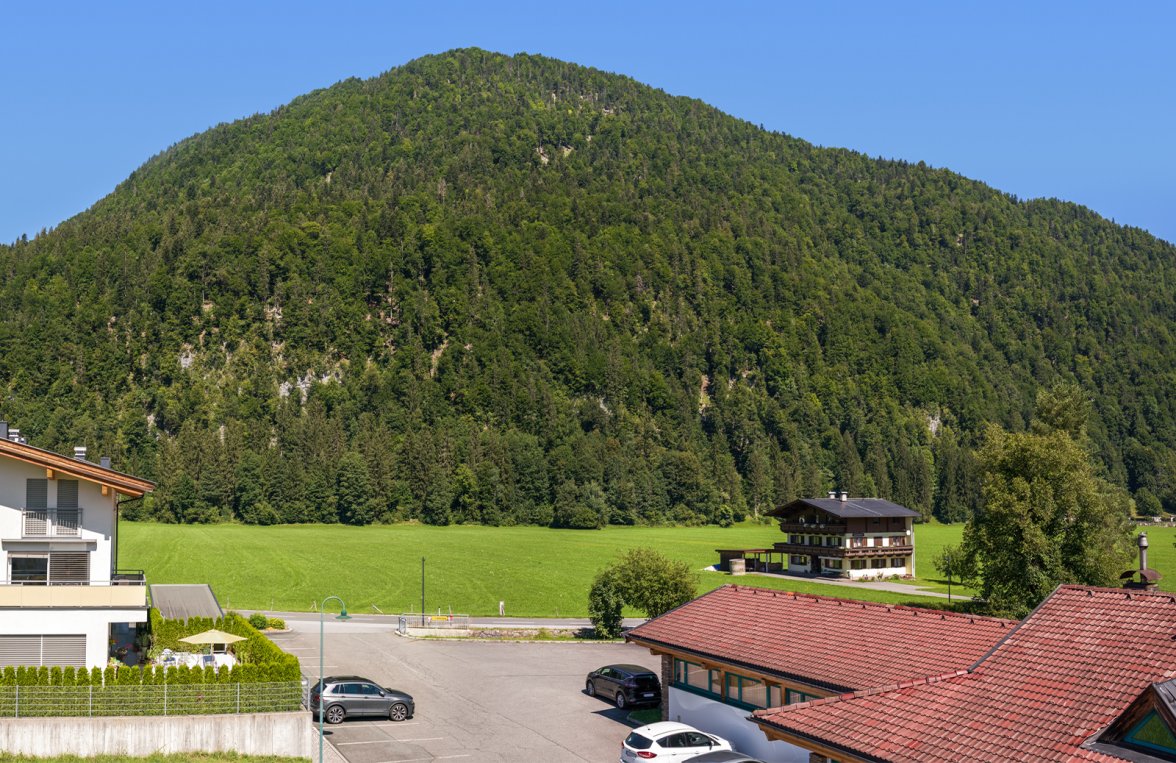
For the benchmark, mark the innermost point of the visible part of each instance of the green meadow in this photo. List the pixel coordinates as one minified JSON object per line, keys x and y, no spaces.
{"x":536,"y":571}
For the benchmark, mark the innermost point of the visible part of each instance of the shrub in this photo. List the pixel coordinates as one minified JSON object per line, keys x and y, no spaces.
{"x":604,"y":605}
{"x":258,"y":621}
{"x":277,"y":624}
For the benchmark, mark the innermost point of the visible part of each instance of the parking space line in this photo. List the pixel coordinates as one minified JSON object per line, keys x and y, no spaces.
{"x":418,"y":760}
{"x":390,"y":739}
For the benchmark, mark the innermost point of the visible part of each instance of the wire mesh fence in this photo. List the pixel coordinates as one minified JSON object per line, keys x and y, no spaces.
{"x":163,"y":699}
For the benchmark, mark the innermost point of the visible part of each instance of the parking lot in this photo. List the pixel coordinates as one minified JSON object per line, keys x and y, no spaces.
{"x":475,"y":701}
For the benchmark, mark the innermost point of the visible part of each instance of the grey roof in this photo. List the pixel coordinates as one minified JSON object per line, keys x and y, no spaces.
{"x":851,"y":508}
{"x":179,"y":602}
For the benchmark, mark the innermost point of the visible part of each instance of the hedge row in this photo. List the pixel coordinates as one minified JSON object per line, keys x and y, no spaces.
{"x":259,"y":660}
{"x":167,"y":699}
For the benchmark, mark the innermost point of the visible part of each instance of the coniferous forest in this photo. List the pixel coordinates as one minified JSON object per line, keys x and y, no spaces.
{"x":495,"y":289}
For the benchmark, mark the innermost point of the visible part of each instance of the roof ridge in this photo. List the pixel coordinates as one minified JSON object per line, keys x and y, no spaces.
{"x":1130,"y":593}
{"x":944,"y":613}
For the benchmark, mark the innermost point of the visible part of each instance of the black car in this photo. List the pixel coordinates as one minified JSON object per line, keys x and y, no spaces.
{"x":624,"y":684}
{"x":723,"y":756}
{"x":353,"y":696}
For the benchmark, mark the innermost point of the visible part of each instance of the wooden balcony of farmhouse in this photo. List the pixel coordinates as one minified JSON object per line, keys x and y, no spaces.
{"x":840,"y":552}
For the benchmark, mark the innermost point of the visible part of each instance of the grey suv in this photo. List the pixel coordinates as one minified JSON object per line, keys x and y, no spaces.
{"x":352,"y":696}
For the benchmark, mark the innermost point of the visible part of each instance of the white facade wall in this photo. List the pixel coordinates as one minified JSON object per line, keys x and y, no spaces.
{"x":96,"y":535}
{"x":94,"y":624}
{"x":98,"y":517}
{"x":732,"y":724}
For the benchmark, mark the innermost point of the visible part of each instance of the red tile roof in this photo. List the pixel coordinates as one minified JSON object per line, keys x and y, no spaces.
{"x":1065,"y":673}
{"x":836,"y":644}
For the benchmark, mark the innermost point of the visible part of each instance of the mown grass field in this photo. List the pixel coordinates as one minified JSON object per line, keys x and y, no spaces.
{"x":538,"y":572}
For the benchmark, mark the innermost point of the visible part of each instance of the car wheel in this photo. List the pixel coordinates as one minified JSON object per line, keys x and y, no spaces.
{"x":398,"y":712}
{"x":336,"y":714}
{"x":621,"y":700}
{"x":590,"y":688}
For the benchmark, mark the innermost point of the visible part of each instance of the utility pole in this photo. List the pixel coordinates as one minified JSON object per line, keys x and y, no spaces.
{"x":422,"y":592}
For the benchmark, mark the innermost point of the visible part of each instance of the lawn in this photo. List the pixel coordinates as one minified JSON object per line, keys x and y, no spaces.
{"x":536,"y":571}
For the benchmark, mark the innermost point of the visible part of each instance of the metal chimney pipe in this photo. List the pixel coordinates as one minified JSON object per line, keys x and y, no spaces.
{"x":832,"y":494}
{"x":3,"y":430}
{"x":844,"y":496}
{"x":80,"y":452}
{"x":104,"y":462}
{"x":1143,"y":551}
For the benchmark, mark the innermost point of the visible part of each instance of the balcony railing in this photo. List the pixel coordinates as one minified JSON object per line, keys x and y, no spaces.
{"x":842,"y":552}
{"x":95,"y":593}
{"x":56,"y":523}
{"x":814,"y":527}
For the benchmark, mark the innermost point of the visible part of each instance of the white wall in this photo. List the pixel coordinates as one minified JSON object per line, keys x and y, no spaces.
{"x":94,"y":623}
{"x":731,"y":723}
{"x":98,"y":515}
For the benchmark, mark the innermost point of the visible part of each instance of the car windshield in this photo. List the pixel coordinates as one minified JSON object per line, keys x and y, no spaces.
{"x":638,"y":742}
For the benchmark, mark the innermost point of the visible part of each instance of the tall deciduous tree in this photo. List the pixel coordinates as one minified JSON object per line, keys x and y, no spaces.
{"x":1047,"y":517}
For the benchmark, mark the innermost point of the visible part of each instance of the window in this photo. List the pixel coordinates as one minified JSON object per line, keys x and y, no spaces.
{"x":1152,"y":733}
{"x":775,"y":696}
{"x":796,"y":539}
{"x":694,"y":676}
{"x":796,"y":559}
{"x":69,"y":566}
{"x":28,"y":569}
{"x":748,"y":691}
{"x":831,"y":564}
{"x":857,"y":564}
{"x":793,"y":696}
{"x":878,"y":564}
{"x":67,"y":494}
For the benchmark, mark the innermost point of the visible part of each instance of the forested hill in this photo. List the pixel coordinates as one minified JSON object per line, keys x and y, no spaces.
{"x":510,"y":289}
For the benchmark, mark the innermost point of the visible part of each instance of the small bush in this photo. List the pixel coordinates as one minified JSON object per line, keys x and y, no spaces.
{"x":277,"y":623}
{"x":258,"y":620}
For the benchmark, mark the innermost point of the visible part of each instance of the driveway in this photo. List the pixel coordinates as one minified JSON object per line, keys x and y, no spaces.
{"x":481,"y":702}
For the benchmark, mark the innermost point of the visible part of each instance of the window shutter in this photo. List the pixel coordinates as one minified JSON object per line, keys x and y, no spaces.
{"x":67,"y":494}
{"x":20,"y":650}
{"x":37,"y":493}
{"x":69,"y":567}
{"x":64,"y":651}
{"x":68,"y":521}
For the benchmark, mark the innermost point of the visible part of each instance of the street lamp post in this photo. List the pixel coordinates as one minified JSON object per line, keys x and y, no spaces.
{"x":322,"y":700}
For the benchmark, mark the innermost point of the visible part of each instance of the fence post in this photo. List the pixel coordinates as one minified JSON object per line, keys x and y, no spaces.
{"x":91,"y":687}
{"x":238,"y":698}
{"x":165,"y":699}
{"x":16,"y":703}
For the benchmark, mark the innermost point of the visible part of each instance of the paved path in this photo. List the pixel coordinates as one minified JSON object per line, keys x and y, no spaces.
{"x":876,"y":585}
{"x":391,"y":621}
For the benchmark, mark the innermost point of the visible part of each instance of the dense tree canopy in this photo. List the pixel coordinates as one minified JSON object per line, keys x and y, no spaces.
{"x":1047,"y":517}
{"x":498,"y":289}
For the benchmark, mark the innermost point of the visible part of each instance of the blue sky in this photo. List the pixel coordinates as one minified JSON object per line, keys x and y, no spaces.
{"x":1074,"y":100}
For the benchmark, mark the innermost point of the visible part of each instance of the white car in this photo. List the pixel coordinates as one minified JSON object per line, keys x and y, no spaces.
{"x":668,"y":741}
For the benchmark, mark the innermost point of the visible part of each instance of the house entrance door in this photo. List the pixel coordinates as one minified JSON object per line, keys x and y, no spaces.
{"x":816,"y":564}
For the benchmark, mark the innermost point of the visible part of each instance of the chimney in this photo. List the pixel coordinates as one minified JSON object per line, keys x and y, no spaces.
{"x":80,"y":452}
{"x":14,"y":434}
{"x":3,"y":430}
{"x":104,"y":462}
{"x":843,"y":496}
{"x":1149,"y":579}
{"x":832,"y":495}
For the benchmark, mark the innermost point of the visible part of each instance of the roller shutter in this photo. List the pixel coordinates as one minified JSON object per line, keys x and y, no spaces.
{"x":35,"y":651}
{"x":69,"y":566}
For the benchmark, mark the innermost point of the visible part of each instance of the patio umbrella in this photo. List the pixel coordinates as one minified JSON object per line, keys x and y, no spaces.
{"x":213,"y":636}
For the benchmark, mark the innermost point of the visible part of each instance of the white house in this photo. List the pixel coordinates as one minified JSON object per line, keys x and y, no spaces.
{"x":62,"y":600}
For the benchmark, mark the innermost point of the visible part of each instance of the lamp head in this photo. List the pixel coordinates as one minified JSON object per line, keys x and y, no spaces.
{"x":343,"y":615}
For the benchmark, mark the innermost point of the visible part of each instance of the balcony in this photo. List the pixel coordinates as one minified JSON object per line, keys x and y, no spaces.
{"x":127,"y":590}
{"x":840,"y":552}
{"x":828,"y":528}
{"x":52,"y":523}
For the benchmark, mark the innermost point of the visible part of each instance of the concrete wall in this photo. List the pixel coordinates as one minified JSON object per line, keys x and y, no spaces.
{"x":730,"y":723}
{"x":284,"y":734}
